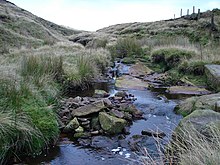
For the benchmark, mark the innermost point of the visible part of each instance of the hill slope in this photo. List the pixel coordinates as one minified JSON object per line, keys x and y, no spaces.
{"x":196,"y":30}
{"x":20,"y":28}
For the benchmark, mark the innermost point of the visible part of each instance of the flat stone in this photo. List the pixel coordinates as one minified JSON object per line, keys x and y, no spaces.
{"x":187,"y":90}
{"x":117,"y":113}
{"x":139,"y":70}
{"x":89,"y":109}
{"x":85,"y":123}
{"x":129,"y":82}
{"x":107,"y":102}
{"x":94,"y":132}
{"x":82,"y":119}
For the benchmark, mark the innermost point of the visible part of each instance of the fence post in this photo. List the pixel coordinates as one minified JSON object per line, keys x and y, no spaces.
{"x":212,"y":21}
{"x":198,"y":17}
{"x":193,"y":9}
{"x":181,"y":12}
{"x":187,"y":11}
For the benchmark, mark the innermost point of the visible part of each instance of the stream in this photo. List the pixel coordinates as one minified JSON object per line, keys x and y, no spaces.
{"x":120,"y":149}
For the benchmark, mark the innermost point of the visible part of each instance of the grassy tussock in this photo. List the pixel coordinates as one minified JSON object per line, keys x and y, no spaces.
{"x":21,"y":126}
{"x":86,"y":65}
{"x":39,"y":66}
{"x":17,"y":134}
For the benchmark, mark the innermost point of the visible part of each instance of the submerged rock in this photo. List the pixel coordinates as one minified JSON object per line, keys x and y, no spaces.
{"x":88,"y":109}
{"x":157,"y":133}
{"x":111,"y":124}
{"x":82,"y":135}
{"x":121,"y":94}
{"x":103,"y":142}
{"x":130,"y":108}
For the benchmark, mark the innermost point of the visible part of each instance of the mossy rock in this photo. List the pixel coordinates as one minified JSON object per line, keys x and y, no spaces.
{"x":72,"y":125}
{"x":204,"y":121}
{"x":111,"y":124}
{"x":194,"y":103}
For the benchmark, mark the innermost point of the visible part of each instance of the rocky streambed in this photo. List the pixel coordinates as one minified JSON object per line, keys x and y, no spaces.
{"x":111,"y":126}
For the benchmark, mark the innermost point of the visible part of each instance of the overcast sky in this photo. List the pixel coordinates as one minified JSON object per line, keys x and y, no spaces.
{"x":92,"y":15}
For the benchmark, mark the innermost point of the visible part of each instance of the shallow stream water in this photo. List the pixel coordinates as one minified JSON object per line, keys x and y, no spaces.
{"x":158,"y":115}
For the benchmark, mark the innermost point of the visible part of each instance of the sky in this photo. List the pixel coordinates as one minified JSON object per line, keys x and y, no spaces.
{"x":92,"y":15}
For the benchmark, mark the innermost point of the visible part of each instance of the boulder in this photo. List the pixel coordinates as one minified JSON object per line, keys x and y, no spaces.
{"x":130,"y":108}
{"x":203,"y":121}
{"x":111,"y":124}
{"x":89,"y":109}
{"x":213,"y":75}
{"x":187,"y":91}
{"x":202,"y":102}
{"x":72,"y":125}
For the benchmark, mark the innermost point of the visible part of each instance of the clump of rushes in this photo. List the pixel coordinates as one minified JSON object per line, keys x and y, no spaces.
{"x":126,"y":47}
